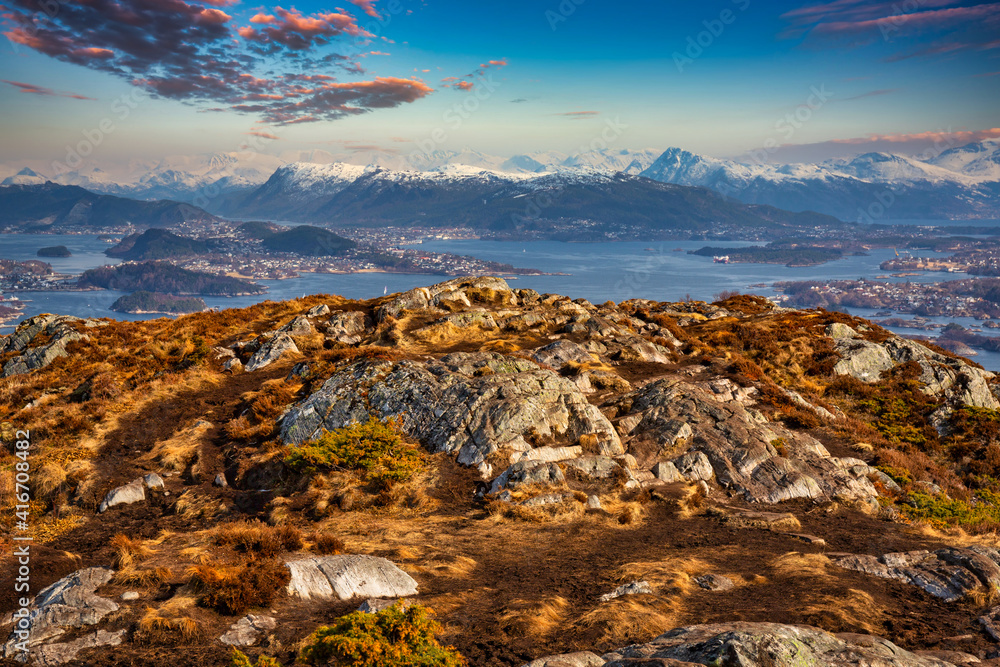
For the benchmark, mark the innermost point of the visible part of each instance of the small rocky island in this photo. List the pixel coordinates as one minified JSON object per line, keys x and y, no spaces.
{"x":54,"y":251}
{"x":143,"y":302}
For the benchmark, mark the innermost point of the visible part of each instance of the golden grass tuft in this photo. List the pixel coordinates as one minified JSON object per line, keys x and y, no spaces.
{"x":797,"y":564}
{"x":49,"y":479}
{"x":673,"y":576}
{"x":534,"y":618}
{"x":176,"y":453}
{"x":129,"y":552}
{"x":629,"y":619}
{"x":143,"y":578}
{"x":156,"y":630}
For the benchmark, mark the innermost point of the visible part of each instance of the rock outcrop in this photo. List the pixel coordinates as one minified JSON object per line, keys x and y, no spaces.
{"x":247,"y":630}
{"x":270,"y":350}
{"x":743,"y":644}
{"x":348,"y":577}
{"x":470,"y":404}
{"x":68,"y":604}
{"x":957,"y":380}
{"x":710,"y":431}
{"x":58,"y":331}
{"x":950,"y":573}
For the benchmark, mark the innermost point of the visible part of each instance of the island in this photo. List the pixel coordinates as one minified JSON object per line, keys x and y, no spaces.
{"x":54,"y":251}
{"x":773,"y":254}
{"x":143,"y":302}
{"x":167,"y":278}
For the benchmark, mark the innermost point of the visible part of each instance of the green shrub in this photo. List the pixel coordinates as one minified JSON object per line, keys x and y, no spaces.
{"x":394,"y":637}
{"x":239,"y":659}
{"x":980,"y":515}
{"x":374,"y":449}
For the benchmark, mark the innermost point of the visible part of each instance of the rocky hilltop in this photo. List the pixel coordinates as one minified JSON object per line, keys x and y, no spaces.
{"x":557,"y":483}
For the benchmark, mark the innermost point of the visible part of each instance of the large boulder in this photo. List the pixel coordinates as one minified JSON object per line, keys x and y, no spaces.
{"x":347,"y":577}
{"x":348,"y":327}
{"x":271,"y":350}
{"x":471,"y":404}
{"x":460,"y":291}
{"x":742,"y":644}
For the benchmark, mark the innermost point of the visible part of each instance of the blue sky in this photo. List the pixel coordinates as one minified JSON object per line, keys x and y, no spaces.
{"x":795,"y":80}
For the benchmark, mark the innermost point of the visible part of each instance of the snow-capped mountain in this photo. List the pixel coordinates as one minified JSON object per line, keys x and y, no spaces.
{"x":24,"y":177}
{"x":980,"y":160}
{"x":960,"y":183}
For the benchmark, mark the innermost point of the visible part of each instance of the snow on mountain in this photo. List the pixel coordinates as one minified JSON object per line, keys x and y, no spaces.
{"x":886,"y":168}
{"x":980,"y":160}
{"x":25,"y":176}
{"x":626,"y":160}
{"x":960,"y":183}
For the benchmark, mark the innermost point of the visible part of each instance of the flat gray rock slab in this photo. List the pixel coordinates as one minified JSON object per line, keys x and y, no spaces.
{"x":347,"y":577}
{"x":247,"y":630}
{"x":65,"y":605}
{"x":581,"y":659}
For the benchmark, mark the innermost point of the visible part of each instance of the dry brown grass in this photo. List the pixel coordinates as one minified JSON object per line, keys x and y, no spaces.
{"x":142,"y":577}
{"x":629,"y":619}
{"x":233,"y":589}
{"x":848,"y":611}
{"x":797,"y":564}
{"x":326,"y":543}
{"x":176,"y":453}
{"x":158,"y":630}
{"x":129,"y":552}
{"x":673,"y":576}
{"x":534,"y":618}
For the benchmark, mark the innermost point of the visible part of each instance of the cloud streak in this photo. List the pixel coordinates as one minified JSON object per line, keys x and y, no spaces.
{"x":39,"y":90}
{"x":193,"y":52}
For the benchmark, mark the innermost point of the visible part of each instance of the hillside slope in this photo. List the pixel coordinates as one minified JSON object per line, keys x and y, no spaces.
{"x":547,"y":475}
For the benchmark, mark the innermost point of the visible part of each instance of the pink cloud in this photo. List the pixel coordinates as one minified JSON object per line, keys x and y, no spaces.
{"x":367,"y":6}
{"x":39,"y":90}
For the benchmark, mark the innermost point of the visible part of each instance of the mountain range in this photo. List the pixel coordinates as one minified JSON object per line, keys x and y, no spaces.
{"x":962,"y":182}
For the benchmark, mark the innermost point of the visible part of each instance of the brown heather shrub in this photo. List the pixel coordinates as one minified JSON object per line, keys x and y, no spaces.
{"x":365,"y":352}
{"x":747,"y":304}
{"x":327,"y":544}
{"x":233,"y":590}
{"x":257,"y":539}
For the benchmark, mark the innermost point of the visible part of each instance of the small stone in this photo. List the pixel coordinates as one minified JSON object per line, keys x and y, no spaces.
{"x":633,"y":588}
{"x":375,"y":605}
{"x":130,"y":595}
{"x":152,"y":481}
{"x":248,"y":629}
{"x":220,"y":480}
{"x":714,"y":582}
{"x":593,"y":503}
{"x":316,"y":311}
{"x":233,"y":365}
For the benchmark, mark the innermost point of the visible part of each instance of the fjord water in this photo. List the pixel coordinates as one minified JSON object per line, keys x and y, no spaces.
{"x":661,"y":271}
